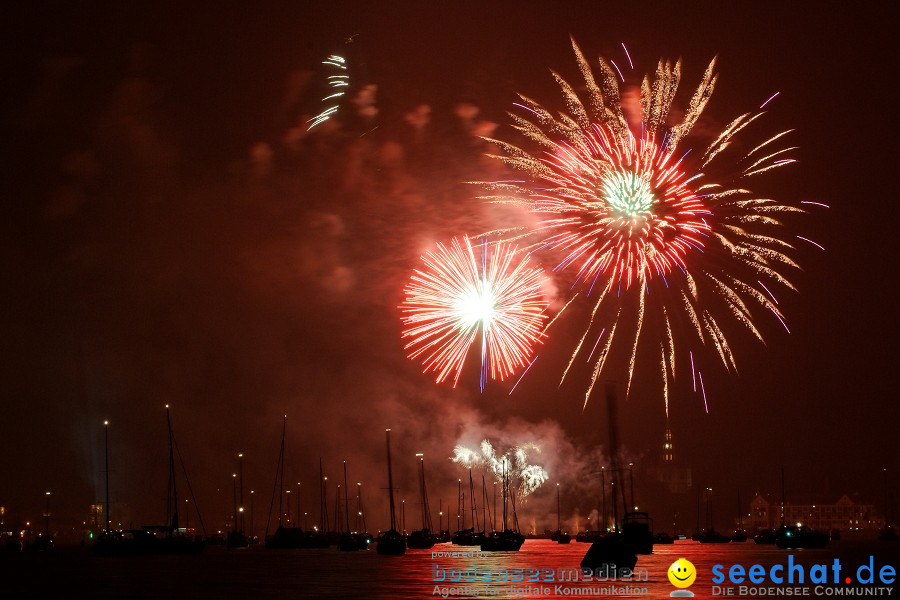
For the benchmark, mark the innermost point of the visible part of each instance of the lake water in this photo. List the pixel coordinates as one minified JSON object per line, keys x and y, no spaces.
{"x":261,"y":573}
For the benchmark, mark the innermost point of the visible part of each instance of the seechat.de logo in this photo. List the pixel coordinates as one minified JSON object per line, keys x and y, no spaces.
{"x":682,"y":574}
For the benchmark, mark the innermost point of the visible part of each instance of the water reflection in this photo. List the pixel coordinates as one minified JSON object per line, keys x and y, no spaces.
{"x":327,"y":573}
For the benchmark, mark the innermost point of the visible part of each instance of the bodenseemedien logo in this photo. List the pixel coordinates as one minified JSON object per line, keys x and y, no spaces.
{"x":682,"y":574}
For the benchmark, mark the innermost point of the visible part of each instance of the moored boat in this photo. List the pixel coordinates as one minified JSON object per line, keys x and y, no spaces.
{"x":391,"y":542}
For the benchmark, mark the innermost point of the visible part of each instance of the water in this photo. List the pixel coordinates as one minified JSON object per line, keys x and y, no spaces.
{"x":260,"y":573}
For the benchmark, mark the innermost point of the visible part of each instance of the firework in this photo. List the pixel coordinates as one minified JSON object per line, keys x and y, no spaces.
{"x":462,"y":296}
{"x":337,"y":82}
{"x":661,"y":239}
{"x":524,"y":477}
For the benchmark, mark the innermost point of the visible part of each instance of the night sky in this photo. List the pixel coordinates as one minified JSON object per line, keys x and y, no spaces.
{"x":171,"y":234}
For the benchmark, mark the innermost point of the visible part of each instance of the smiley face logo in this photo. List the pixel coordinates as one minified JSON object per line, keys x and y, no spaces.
{"x":682,"y":573}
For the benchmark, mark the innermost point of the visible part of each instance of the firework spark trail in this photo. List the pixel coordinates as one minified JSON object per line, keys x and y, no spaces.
{"x":628,"y":55}
{"x":703,"y":389}
{"x":543,"y":334}
{"x":524,"y":476}
{"x":670,"y":343}
{"x":763,"y":286}
{"x":672,"y":232}
{"x":458,"y":298}
{"x":337,"y":83}
{"x":816,"y":244}
{"x":693,"y":371}
{"x":578,"y":347}
{"x":637,"y":334}
{"x":662,"y":364}
{"x":521,"y":377}
{"x":598,"y":366}
{"x":599,"y":337}
{"x":772,"y":97}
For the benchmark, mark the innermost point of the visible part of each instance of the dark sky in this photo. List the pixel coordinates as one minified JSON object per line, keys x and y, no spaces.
{"x":170,"y":235}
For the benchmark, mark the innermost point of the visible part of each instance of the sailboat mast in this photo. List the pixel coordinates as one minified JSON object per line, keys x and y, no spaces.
{"x":323,"y":508}
{"x":337,"y":508}
{"x":484,"y":505}
{"x":505,"y":493}
{"x":698,"y":511}
{"x":464,"y":511}
{"x":603,"y":497}
{"x":557,"y":508}
{"x":106,"y":436}
{"x":495,"y":523}
{"x":172,"y":501}
{"x":782,"y":497}
{"x":428,"y":524}
{"x":390,"y":481}
{"x":611,"y":409}
{"x":346,"y":504}
{"x":515,"y":515}
{"x":280,"y":475}
{"x":422,"y":491}
{"x":459,"y":526}
{"x":240,"y":489}
{"x":362,"y":510}
{"x":472,"y":500}
{"x":615,"y":506}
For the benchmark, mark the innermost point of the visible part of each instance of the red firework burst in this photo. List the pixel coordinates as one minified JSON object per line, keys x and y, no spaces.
{"x":621,"y":207}
{"x":458,"y":298}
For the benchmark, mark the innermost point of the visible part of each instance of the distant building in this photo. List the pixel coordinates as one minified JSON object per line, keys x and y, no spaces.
{"x":668,"y":453}
{"x":844,"y":514}
{"x":95,"y":519}
{"x":675,"y":477}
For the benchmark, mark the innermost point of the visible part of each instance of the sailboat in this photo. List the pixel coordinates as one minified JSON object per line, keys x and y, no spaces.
{"x":154,"y":539}
{"x":422,"y":539}
{"x":350,"y":541}
{"x":613,"y":549}
{"x":284,"y":537}
{"x":589,"y":536}
{"x":740,"y":535}
{"x":361,"y":529}
{"x":468,"y":536}
{"x":710,"y":535}
{"x":391,"y":542}
{"x":484,"y":508}
{"x":790,"y":537}
{"x":236,"y":539}
{"x":508,"y":540}
{"x":559,"y":536}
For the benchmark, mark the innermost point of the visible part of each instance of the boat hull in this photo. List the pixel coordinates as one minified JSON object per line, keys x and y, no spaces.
{"x":503,"y":541}
{"x":391,"y":543}
{"x":607,"y":553}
